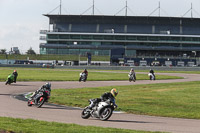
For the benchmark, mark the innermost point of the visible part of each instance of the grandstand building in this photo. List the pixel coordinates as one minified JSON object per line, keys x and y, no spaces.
{"x":124,"y":37}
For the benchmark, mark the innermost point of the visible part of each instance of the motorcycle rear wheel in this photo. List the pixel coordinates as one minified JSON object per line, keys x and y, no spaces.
{"x":85,"y":114}
{"x":29,"y":103}
{"x":105,"y":113}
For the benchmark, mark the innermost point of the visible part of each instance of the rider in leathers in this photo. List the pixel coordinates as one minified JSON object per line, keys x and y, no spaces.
{"x":108,"y":95}
{"x":132,"y":72}
{"x":47,"y":86}
{"x":152,"y":72}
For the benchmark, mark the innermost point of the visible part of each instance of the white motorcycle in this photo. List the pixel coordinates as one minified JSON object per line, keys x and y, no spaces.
{"x":132,"y":77}
{"x":82,"y":77}
{"x":152,"y":76}
{"x":103,"y":110}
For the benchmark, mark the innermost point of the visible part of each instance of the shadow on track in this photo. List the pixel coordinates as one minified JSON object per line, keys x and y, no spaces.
{"x":19,"y":85}
{"x":130,"y":121}
{"x":5,"y":95}
{"x":54,"y":106}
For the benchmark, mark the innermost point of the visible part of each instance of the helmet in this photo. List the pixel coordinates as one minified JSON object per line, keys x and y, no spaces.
{"x":114,"y":92}
{"x":15,"y":70}
{"x":48,"y":85}
{"x":132,"y":69}
{"x":85,"y":69}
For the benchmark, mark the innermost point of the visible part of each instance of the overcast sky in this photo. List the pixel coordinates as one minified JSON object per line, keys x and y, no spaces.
{"x":21,"y":20}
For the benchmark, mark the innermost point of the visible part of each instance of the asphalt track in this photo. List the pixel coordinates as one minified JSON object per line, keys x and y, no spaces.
{"x":11,"y":107}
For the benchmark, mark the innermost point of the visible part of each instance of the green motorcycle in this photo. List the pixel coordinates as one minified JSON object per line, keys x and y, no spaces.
{"x":10,"y":79}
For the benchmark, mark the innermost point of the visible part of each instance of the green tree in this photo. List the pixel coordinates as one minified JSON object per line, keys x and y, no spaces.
{"x":3,"y":51}
{"x":31,"y":51}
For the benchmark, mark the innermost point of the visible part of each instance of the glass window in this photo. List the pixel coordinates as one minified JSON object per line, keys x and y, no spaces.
{"x":187,"y":39}
{"x":120,"y":37}
{"x":98,"y":37}
{"x":195,"y":39}
{"x":64,"y":36}
{"x":175,"y":39}
{"x":108,"y":37}
{"x":153,"y":38}
{"x":75,"y":36}
{"x":52,"y":36}
{"x":164,"y":38}
{"x":131,"y":37}
{"x":144,"y":38}
{"x":86,"y":37}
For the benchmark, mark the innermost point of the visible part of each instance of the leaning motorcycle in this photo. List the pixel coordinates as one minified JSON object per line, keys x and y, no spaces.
{"x":103,"y":110}
{"x":39,"y":99}
{"x":131,"y":77}
{"x":10,"y":79}
{"x":82,"y":77}
{"x":151,"y":76}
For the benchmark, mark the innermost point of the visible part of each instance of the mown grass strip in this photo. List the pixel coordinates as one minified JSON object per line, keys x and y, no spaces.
{"x":35,"y":126}
{"x":27,"y":74}
{"x":179,"y":100}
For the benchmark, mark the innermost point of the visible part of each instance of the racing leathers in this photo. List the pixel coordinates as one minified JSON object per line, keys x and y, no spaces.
{"x":132,"y":73}
{"x":103,"y":98}
{"x":41,"y":89}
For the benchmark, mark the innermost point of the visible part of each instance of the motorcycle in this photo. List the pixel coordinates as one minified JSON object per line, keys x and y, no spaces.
{"x":82,"y":77}
{"x":151,"y":76}
{"x":103,"y":110}
{"x":132,"y":77}
{"x":39,"y":99}
{"x":10,"y":79}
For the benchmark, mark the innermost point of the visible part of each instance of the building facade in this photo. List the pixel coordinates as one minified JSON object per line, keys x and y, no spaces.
{"x":130,"y":36}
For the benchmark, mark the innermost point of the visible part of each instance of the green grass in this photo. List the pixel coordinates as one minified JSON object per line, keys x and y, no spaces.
{"x":179,"y":100}
{"x":39,"y":74}
{"x":35,"y":126}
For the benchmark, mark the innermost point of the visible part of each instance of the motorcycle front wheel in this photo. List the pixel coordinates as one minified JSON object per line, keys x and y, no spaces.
{"x":85,"y":114}
{"x":105,"y":113}
{"x":40,"y":101}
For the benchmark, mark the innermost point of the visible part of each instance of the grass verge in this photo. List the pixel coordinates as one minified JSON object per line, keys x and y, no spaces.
{"x":37,"y":74}
{"x":179,"y":100}
{"x":35,"y":126}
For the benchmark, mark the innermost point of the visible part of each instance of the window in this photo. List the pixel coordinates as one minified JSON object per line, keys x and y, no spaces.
{"x":75,"y":37}
{"x":108,"y":37}
{"x":120,"y":37}
{"x":64,"y":36}
{"x":131,"y":37}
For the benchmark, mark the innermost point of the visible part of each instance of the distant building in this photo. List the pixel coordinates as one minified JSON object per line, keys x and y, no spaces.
{"x":14,"y":50}
{"x":122,"y":36}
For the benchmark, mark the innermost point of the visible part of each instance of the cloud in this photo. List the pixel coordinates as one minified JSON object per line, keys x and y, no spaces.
{"x":20,"y":35}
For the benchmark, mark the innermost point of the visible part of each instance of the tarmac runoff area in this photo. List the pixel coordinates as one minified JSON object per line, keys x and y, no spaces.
{"x":12,"y":107}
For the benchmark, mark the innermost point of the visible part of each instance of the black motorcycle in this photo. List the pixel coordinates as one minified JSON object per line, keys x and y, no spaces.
{"x":39,"y":99}
{"x":103,"y":110}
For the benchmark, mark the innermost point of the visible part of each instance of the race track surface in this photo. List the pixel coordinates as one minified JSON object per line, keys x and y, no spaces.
{"x":11,"y":107}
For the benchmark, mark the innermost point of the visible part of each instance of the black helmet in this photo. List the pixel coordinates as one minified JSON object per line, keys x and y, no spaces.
{"x":48,"y":85}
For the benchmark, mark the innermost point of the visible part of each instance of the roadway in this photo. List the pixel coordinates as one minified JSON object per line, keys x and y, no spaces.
{"x":12,"y":107}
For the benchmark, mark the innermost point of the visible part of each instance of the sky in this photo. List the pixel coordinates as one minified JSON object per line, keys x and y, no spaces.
{"x":21,"y":20}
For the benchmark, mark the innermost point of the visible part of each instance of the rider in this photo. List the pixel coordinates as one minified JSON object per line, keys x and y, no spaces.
{"x":107,"y":95}
{"x":46,"y":86}
{"x":152,"y":72}
{"x":132,"y":72}
{"x":15,"y":76}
